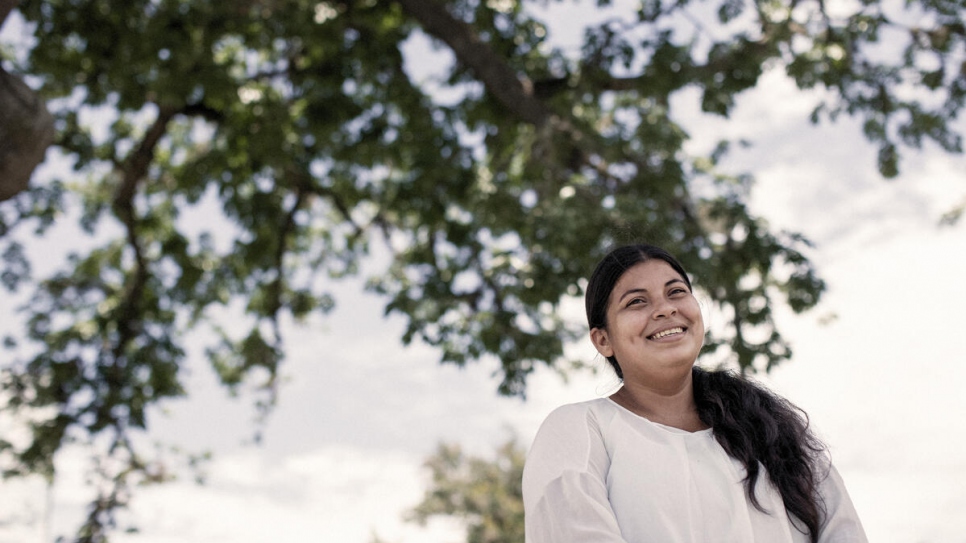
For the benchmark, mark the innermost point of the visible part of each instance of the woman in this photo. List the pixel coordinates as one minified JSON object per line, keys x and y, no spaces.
{"x":677,"y":454}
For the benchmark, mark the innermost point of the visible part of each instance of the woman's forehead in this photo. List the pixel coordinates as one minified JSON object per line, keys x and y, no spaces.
{"x":654,"y":270}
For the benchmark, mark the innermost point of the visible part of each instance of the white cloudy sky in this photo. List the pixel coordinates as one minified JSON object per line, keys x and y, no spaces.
{"x":881,"y":378}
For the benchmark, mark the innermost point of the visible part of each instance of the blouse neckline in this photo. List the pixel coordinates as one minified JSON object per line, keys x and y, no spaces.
{"x":665,"y":427}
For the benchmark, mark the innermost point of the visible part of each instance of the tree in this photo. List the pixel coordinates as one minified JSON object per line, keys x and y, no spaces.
{"x":300,"y":132}
{"x":484,"y":494}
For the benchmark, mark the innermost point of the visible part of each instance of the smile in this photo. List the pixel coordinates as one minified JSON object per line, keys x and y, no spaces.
{"x":666,"y":333}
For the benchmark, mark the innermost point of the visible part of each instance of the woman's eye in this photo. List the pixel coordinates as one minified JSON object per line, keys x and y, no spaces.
{"x":635,"y":301}
{"x":677,"y":291}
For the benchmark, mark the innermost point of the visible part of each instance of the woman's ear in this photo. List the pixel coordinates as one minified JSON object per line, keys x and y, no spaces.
{"x":600,"y":340}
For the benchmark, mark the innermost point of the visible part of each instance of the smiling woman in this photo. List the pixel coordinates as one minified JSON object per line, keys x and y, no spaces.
{"x":653,"y":326}
{"x":678,"y":454}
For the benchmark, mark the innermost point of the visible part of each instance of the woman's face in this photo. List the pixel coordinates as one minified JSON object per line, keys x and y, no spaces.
{"x":654,"y":323}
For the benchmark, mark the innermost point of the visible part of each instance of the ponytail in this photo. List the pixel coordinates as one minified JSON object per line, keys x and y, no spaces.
{"x":760,"y":428}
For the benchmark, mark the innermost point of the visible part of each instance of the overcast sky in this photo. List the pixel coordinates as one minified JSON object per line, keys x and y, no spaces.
{"x":879,"y":366}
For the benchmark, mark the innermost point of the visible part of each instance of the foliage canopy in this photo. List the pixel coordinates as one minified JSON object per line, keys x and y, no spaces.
{"x":304,"y":136}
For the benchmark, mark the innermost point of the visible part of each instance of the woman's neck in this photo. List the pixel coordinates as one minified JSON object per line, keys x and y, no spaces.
{"x":671,"y":405}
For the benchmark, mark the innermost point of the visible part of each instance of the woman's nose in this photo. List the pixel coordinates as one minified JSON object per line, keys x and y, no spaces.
{"x":665,"y":309}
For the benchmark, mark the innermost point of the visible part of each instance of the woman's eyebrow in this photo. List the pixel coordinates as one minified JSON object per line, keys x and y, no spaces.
{"x":644,"y":290}
{"x":631,"y":291}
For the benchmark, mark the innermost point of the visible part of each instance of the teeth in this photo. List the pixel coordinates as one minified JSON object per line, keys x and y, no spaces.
{"x":668,"y":332}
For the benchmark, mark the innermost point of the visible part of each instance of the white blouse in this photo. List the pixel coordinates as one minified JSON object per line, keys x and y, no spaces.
{"x":598,"y":473}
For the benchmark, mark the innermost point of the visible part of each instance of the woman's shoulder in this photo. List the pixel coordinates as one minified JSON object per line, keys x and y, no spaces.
{"x":570,"y":439}
{"x":578,"y":416}
{"x":579,"y":410}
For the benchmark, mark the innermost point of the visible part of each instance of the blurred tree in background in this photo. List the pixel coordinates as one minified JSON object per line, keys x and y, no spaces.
{"x":230,"y":162}
{"x":484,"y":494}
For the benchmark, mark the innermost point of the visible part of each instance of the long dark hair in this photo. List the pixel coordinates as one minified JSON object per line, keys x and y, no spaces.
{"x":752,"y":424}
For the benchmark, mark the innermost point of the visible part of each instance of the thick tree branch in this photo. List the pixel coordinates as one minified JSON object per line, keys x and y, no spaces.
{"x":26,"y":127}
{"x":26,"y":131}
{"x":514,"y":91}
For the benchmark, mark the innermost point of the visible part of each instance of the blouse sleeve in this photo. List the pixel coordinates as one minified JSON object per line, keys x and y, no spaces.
{"x":564,"y":490}
{"x":842,"y":523}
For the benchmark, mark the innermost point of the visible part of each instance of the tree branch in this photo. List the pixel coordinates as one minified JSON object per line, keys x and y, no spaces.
{"x":26,"y":127}
{"x":135,"y":167}
{"x":26,"y":131}
{"x":517,"y":93}
{"x":133,"y":170}
{"x":514,"y":91}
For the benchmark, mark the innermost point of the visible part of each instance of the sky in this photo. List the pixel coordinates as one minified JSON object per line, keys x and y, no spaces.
{"x":879,"y":366}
